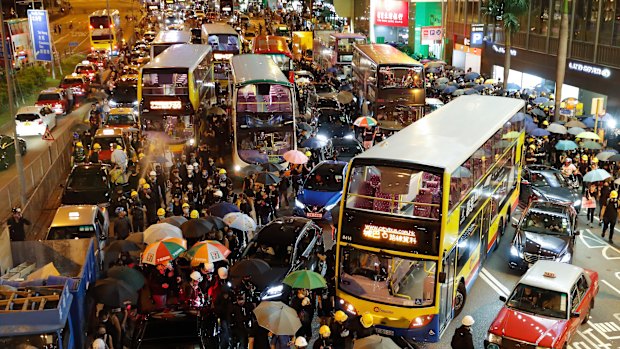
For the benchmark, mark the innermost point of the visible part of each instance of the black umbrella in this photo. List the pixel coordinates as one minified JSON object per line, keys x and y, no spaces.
{"x":270,"y":167}
{"x":177,"y":221}
{"x":115,"y":248}
{"x":248,"y":267}
{"x":314,"y":143}
{"x":215,"y":222}
{"x":221,"y":209}
{"x":196,"y":228}
{"x":267,"y":178}
{"x":132,"y":277}
{"x":113,"y":293}
{"x":249,"y":169}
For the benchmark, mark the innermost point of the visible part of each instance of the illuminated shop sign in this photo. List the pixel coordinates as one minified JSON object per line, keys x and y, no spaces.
{"x":391,"y":13}
{"x":589,"y":69}
{"x":386,"y":234}
{"x":159,"y":105}
{"x":502,"y":50}
{"x":222,"y":56}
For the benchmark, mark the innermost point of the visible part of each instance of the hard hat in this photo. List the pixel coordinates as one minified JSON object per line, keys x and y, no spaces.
{"x":141,"y":156}
{"x":193,"y":214}
{"x":209,"y":267}
{"x":218,"y":193}
{"x":161,"y":212}
{"x":195,"y":275}
{"x":577,"y":139}
{"x":569,"y":160}
{"x":99,"y":344}
{"x":195,"y":165}
{"x":222,"y":171}
{"x":79,"y":144}
{"x":152,"y":173}
{"x":584,"y":157}
{"x":190,"y":167}
{"x":532,"y":146}
{"x":546,"y":123}
{"x":340,"y":316}
{"x":142,"y":181}
{"x":134,"y":193}
{"x":118,"y":147}
{"x":366,"y":320}
{"x":595,"y":160}
{"x":324,"y":331}
{"x":467,"y":320}
{"x":185,"y":205}
{"x":613,"y":194}
{"x":146,"y":186}
{"x":308,"y":153}
{"x":301,"y":342}
{"x":96,"y":146}
{"x":222,"y":272}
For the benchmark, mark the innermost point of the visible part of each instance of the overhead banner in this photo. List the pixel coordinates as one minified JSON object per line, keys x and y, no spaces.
{"x":391,"y":13}
{"x":41,"y":38}
{"x":431,"y":34}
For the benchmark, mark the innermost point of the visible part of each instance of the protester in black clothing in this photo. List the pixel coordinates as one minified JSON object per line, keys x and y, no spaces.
{"x":324,"y":341}
{"x":241,"y":320}
{"x":610,"y":217}
{"x":340,"y":329}
{"x":363,"y":326}
{"x":223,"y":309}
{"x":16,"y":225}
{"x":462,"y":338}
{"x":137,"y":212}
{"x":258,"y":337}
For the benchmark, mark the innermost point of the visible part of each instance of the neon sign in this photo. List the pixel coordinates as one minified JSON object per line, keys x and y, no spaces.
{"x":502,"y":50}
{"x":402,"y":236}
{"x":159,"y":105}
{"x":589,"y":69}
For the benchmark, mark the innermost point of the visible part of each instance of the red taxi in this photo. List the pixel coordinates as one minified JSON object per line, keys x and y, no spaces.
{"x":545,"y":309}
{"x":88,"y":69}
{"x":54,"y":98}
{"x":78,"y":83}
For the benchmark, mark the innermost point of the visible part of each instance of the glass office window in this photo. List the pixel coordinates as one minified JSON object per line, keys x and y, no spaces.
{"x":610,"y":23}
{"x":585,"y":17}
{"x":539,"y":16}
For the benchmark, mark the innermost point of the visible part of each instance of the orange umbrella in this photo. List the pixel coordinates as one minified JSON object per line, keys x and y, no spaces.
{"x":208,"y":251}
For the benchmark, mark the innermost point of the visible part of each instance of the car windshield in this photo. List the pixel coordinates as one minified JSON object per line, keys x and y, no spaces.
{"x":49,"y":97}
{"x":72,"y":232}
{"x":543,"y":222}
{"x":26,"y":117}
{"x":330,"y":116}
{"x":325,"y":177}
{"x":548,"y":179}
{"x":327,"y":103}
{"x":121,"y":119}
{"x":539,"y":301}
{"x":83,"y":69}
{"x":105,"y":142}
{"x":323,"y":88}
{"x":72,"y":81}
{"x":86,"y":181}
{"x":275,"y":253}
{"x":388,"y":279}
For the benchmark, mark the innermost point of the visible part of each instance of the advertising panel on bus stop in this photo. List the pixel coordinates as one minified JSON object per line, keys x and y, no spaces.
{"x":41,"y":38}
{"x":391,"y":13}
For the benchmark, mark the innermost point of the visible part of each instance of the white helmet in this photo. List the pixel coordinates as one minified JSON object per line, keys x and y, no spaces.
{"x":467,"y":320}
{"x":196,"y":165}
{"x":190,"y":167}
{"x":218,"y":193}
{"x":301,"y":342}
{"x":152,"y":173}
{"x":209,"y":267}
{"x":222,"y":272}
{"x":195,"y":275}
{"x":98,"y":344}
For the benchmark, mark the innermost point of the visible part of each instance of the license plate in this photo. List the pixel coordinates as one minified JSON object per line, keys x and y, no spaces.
{"x":314,"y":215}
{"x":384,"y":331}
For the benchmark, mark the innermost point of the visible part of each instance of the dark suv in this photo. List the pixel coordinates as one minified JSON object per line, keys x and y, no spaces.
{"x":546,"y":231}
{"x":88,"y":184}
{"x":539,"y":182}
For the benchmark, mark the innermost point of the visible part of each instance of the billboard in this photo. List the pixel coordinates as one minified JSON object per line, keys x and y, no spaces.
{"x":391,"y":13}
{"x":431,"y":34}
{"x":41,"y":38}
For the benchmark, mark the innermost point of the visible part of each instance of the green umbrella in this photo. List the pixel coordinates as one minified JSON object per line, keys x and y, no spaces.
{"x":133,"y":278}
{"x":591,"y":145}
{"x":305,"y":279}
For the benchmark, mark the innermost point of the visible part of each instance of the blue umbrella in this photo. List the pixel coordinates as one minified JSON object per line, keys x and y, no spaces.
{"x":471,"y":91}
{"x":541,"y":89}
{"x":566,"y":145}
{"x":539,"y":132}
{"x":479,"y":87}
{"x":223,"y":208}
{"x":313,"y":143}
{"x":461,"y":172}
{"x":450,"y":89}
{"x":529,"y":127}
{"x":471,"y":76}
{"x":596,"y":175}
{"x":518,"y":117}
{"x":589,"y":122}
{"x":512,"y":87}
{"x":539,"y":100}
{"x":538,"y":112}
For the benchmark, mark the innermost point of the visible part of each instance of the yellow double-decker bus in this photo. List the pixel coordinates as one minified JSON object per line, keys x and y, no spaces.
{"x":421,"y":212}
{"x":104,"y":31}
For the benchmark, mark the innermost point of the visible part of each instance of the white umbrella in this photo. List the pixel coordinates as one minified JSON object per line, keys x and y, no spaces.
{"x":277,"y":317}
{"x":240,"y":221}
{"x":375,"y":342}
{"x":160,"y":231}
{"x":596,"y":175}
{"x":556,"y":128}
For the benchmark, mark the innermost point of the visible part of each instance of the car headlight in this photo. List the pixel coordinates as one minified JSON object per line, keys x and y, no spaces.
{"x":494,"y":339}
{"x":135,"y":102}
{"x":329,"y":207}
{"x":299,"y":204}
{"x":321,"y":137}
{"x":577,"y":202}
{"x":112,"y":103}
{"x":273,"y":292}
{"x":514,"y":251}
{"x":565,"y":258}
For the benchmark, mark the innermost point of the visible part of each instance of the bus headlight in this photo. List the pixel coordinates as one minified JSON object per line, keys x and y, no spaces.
{"x":494,"y":339}
{"x":273,"y":292}
{"x":348,"y":307}
{"x":421,"y":321}
{"x":299,"y":204}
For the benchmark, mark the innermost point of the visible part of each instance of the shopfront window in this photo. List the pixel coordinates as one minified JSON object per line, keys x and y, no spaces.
{"x":473,"y":11}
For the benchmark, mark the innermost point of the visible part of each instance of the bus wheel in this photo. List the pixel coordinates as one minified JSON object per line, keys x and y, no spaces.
{"x":459,"y":300}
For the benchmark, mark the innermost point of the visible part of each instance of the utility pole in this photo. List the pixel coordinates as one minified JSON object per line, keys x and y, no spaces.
{"x":9,"y":83}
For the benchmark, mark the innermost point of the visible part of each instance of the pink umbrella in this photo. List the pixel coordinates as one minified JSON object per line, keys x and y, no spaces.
{"x":295,"y":157}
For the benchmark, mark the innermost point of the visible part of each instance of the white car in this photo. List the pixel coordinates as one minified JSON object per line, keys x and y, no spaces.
{"x":34,"y":120}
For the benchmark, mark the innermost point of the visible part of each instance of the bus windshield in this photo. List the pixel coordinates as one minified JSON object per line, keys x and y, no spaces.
{"x":165,"y":82}
{"x":393,"y":190}
{"x":224,"y":42}
{"x":387,"y":279}
{"x":100,"y":22}
{"x":400,"y":77}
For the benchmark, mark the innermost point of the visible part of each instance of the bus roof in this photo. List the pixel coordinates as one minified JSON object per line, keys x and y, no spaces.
{"x":101,"y":13}
{"x":270,"y":44}
{"x":348,"y":36}
{"x":172,"y":37}
{"x":252,"y":69}
{"x":179,"y":56}
{"x":218,"y":28}
{"x":385,"y":54}
{"x":450,"y":135}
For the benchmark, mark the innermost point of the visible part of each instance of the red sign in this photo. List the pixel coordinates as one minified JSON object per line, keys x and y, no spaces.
{"x":391,"y":13}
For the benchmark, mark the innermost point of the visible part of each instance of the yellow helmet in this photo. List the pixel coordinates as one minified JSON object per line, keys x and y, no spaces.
{"x":142,"y":181}
{"x":546,"y":123}
{"x":577,"y":139}
{"x":584,"y":157}
{"x":308,"y":153}
{"x":366,"y":320}
{"x":324,"y":331}
{"x":146,"y":186}
{"x":161,"y":212}
{"x":613,"y":194}
{"x":193,"y":214}
{"x":340,"y":316}
{"x":222,"y":171}
{"x":185,"y":205}
{"x":134,"y":193}
{"x":79,"y":144}
{"x":595,"y":160}
{"x":141,"y":156}
{"x":118,"y":147}
{"x":532,"y":146}
{"x":97,"y":146}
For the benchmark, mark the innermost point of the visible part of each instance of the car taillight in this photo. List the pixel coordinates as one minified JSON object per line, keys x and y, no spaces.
{"x":421,"y":321}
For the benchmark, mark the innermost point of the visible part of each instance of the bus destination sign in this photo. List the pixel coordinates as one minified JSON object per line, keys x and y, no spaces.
{"x":398,"y":236}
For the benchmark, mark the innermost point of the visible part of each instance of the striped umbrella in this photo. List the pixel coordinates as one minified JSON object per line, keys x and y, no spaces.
{"x":365,"y":121}
{"x":208,"y":251}
{"x":178,"y":241}
{"x":161,"y":251}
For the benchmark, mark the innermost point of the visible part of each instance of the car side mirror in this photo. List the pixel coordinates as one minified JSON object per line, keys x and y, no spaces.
{"x":442,"y":277}
{"x":502,"y":298}
{"x":575,"y":314}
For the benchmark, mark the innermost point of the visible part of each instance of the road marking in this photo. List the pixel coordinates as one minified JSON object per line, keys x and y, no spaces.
{"x":611,"y":286}
{"x":599,"y":243}
{"x":494,"y":283}
{"x":590,"y":337}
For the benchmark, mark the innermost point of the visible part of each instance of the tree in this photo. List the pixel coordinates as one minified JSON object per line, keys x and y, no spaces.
{"x":508,"y":11}
{"x":562,"y":53}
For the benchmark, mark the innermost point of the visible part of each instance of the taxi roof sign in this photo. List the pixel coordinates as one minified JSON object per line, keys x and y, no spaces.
{"x":549,"y":274}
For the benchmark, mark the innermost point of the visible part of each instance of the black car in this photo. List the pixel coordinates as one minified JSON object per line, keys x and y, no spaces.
{"x":345,"y":148}
{"x":287,"y":244}
{"x":546,"y":231}
{"x":332,"y":122}
{"x":88,"y":184}
{"x":125,"y":93}
{"x":539,"y":182}
{"x":7,"y":150}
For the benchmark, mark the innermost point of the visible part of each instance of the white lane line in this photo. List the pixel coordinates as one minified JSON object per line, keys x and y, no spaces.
{"x":492,"y":278}
{"x":492,"y":285}
{"x":611,"y":286}
{"x":598,"y":220}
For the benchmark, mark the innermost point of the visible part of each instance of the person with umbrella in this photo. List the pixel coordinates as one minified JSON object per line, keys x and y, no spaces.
{"x":159,"y":282}
{"x":305,"y":310}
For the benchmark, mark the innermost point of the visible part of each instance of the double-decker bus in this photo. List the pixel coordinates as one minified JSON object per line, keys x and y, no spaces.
{"x":104,"y":31}
{"x":390,"y":83}
{"x":172,"y":90}
{"x":225,"y":43}
{"x":421,"y":212}
{"x":337,"y":50}
{"x":264,"y":111}
{"x":167,"y":38}
{"x":277,"y":48}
